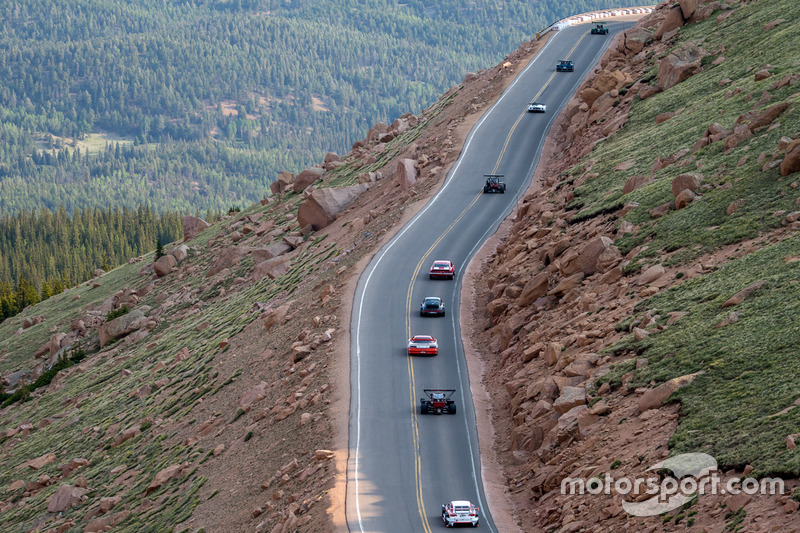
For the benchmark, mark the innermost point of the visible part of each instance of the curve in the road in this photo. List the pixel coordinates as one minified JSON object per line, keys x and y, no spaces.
{"x":394,"y":455}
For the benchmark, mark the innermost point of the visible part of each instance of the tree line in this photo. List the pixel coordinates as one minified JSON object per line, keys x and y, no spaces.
{"x":262,"y":85}
{"x":45,"y":252}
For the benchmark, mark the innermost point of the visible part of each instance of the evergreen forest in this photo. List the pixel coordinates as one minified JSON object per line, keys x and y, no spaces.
{"x":116,"y":116}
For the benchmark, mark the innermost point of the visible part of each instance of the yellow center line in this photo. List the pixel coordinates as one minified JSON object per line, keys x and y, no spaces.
{"x":409,"y":292}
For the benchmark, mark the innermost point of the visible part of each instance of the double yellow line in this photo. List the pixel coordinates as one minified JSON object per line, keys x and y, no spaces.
{"x":411,"y":381}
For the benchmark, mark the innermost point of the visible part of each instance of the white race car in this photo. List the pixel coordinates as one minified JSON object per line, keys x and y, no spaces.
{"x":536,"y":107}
{"x":460,"y":512}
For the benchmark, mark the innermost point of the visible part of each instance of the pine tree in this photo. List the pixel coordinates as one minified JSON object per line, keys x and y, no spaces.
{"x":159,"y":250}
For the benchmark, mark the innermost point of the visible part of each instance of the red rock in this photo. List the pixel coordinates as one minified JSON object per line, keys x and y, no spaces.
{"x":672,"y":21}
{"x":689,"y":181}
{"x":106,"y":523}
{"x":534,"y":289}
{"x":743,"y":294}
{"x":322,"y":206}
{"x":192,"y":226}
{"x":65,"y":497}
{"x":684,"y":198}
{"x":651,"y":274}
{"x":762,"y":75}
{"x":164,"y":476}
{"x":570,"y":398}
{"x":679,"y":65}
{"x":307,"y":177}
{"x":41,"y":461}
{"x":791,"y":161}
{"x":406,"y":173}
{"x":126,"y":435}
{"x":635,"y":182}
{"x":653,"y":398}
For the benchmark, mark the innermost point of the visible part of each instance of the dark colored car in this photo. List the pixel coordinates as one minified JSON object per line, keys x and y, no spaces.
{"x":565,"y":66}
{"x":431,"y":306}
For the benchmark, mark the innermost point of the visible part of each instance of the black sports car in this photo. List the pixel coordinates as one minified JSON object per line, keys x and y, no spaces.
{"x":431,"y":306}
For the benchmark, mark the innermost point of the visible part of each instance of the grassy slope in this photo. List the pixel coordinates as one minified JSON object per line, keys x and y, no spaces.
{"x":95,"y":403}
{"x":750,"y":366}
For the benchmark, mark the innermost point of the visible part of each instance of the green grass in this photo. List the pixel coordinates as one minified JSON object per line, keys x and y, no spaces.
{"x":751,"y":366}
{"x":704,"y":226}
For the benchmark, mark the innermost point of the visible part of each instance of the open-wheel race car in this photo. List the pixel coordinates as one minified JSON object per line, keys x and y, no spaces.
{"x":493,"y":183}
{"x":599,"y":29}
{"x":460,"y":512}
{"x":439,"y":401}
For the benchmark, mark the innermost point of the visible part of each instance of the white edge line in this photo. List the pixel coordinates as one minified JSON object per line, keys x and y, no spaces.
{"x":373,"y":266}
{"x":493,"y":228}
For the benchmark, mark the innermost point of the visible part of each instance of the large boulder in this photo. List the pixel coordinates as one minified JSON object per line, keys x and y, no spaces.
{"x":608,"y":80}
{"x":679,"y":66}
{"x":123,"y":325}
{"x":791,"y":161}
{"x":164,"y":476}
{"x":322,"y":206}
{"x":226,"y":258}
{"x":654,"y":398}
{"x":690,"y":181}
{"x":534,"y":289}
{"x":592,"y":250}
{"x":672,"y":21}
{"x":306,"y":178}
{"x":635,"y":182}
{"x":271,"y":268}
{"x":164,"y":264}
{"x":767,"y":117}
{"x":180,"y":252}
{"x":268,"y":252}
{"x":376,"y":131}
{"x":688,"y":8}
{"x":282,"y":182}
{"x":634,"y":40}
{"x":406,"y":174}
{"x":65,"y":497}
{"x":192,"y":226}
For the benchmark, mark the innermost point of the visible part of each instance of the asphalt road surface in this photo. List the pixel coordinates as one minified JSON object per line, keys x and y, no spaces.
{"x":404,"y":465}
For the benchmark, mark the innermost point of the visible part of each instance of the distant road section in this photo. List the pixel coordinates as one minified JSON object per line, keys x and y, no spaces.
{"x":404,"y":465}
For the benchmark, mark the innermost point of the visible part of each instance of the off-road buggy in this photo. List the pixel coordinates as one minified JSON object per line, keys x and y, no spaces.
{"x":493,"y":184}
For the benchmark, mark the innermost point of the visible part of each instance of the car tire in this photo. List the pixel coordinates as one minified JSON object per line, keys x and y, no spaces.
{"x":442,"y":313}
{"x":451,"y":409}
{"x":423,"y":409}
{"x":421,"y":313}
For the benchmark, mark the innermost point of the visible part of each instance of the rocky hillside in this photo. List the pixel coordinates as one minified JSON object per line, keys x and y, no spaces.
{"x":644,"y":300}
{"x":208,"y":389}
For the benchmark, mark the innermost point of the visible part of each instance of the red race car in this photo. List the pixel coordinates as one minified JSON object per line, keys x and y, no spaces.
{"x":442,"y":269}
{"x":423,"y":345}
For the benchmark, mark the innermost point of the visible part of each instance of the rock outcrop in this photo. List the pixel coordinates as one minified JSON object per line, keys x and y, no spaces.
{"x":322,"y":206}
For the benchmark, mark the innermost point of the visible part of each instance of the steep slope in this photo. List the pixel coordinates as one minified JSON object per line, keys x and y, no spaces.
{"x":207,"y":390}
{"x":643,"y":301}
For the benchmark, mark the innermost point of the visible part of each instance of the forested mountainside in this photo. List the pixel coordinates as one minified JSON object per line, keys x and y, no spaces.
{"x":42,"y":253}
{"x":198,"y":105}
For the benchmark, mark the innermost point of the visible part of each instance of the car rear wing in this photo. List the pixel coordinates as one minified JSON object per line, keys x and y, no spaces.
{"x":448,"y":392}
{"x":495,"y":175}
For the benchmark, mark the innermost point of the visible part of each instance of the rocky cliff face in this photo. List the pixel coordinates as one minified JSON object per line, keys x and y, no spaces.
{"x":565,"y":316}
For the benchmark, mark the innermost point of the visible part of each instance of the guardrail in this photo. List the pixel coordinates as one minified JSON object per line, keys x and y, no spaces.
{"x":592,"y":15}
